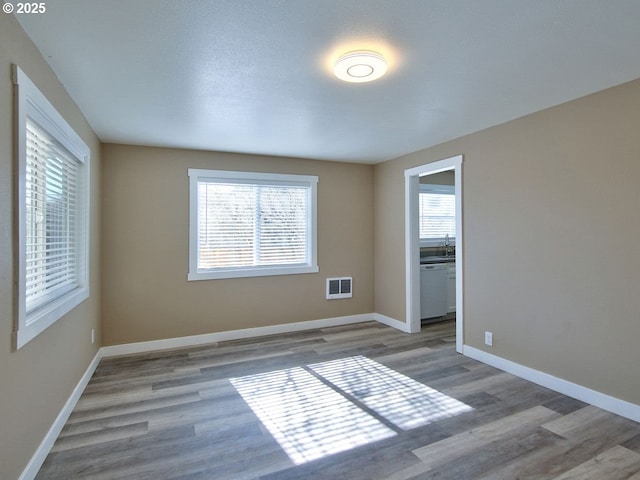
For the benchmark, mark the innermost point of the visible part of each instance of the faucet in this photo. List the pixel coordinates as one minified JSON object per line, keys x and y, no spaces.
{"x":446,"y":245}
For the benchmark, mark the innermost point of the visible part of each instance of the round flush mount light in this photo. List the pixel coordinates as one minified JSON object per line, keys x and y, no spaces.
{"x":360,"y":66}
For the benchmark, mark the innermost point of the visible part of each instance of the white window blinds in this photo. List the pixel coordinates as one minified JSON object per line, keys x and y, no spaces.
{"x":52,"y":186}
{"x":54,"y":218}
{"x":437,"y":215}
{"x":251,"y":224}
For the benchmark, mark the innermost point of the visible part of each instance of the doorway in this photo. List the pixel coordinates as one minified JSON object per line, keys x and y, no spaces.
{"x":412,"y":242}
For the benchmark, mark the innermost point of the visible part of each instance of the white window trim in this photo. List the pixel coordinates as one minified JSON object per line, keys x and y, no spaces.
{"x":444,"y":189}
{"x":196,"y":175}
{"x":30,"y":102}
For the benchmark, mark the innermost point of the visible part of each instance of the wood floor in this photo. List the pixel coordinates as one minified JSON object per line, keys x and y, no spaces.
{"x":177,"y":415}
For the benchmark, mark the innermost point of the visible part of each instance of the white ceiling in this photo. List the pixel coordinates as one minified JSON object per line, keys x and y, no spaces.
{"x":255,"y":76}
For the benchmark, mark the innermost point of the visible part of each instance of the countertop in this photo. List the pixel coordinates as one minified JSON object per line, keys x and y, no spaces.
{"x":433,"y":259}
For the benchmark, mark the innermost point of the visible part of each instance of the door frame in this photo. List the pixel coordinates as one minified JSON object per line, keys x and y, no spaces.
{"x":412,"y":243}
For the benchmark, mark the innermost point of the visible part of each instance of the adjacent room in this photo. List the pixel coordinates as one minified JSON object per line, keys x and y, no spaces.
{"x":325,"y":239}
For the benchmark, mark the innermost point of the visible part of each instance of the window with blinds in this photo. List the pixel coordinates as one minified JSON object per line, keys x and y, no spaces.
{"x":437,"y":206}
{"x":53,"y":187}
{"x":251,"y":224}
{"x":53,"y":198}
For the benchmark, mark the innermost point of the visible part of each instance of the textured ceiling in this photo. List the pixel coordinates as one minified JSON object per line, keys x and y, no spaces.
{"x":255,"y":76}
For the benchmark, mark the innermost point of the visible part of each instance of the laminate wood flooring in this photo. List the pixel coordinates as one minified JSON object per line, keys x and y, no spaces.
{"x":177,"y":415}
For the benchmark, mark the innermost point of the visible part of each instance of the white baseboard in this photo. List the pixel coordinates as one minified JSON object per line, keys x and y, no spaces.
{"x":587,"y":395}
{"x":195,"y":340}
{"x":391,"y":322}
{"x":38,"y":458}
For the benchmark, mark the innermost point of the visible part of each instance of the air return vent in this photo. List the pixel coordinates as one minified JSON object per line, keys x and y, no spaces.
{"x":339,"y":288}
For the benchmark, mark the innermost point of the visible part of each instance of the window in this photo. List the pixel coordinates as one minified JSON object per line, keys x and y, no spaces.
{"x":52,"y":186}
{"x":251,"y":224}
{"x":437,"y":214}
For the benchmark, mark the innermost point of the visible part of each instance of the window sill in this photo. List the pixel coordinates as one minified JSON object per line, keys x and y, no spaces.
{"x":250,"y":272}
{"x":47,"y":315}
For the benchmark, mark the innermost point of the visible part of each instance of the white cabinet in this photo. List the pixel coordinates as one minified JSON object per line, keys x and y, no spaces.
{"x":451,"y":287}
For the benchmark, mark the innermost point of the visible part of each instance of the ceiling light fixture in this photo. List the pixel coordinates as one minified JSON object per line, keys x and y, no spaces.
{"x":360,"y":66}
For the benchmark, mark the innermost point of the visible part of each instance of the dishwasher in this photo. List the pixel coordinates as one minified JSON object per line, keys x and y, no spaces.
{"x":433,"y":290}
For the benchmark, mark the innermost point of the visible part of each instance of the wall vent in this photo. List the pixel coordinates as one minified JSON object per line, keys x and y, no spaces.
{"x":339,"y":288}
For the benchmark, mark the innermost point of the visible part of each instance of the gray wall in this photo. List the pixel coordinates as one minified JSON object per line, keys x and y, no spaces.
{"x":146,"y":295}
{"x":37,"y":380}
{"x":551,"y":226}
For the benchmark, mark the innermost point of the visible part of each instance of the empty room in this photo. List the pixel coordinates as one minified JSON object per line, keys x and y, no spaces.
{"x":260,"y":239}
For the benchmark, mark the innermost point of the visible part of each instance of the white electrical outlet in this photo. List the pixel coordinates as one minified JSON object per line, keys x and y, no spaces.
{"x":93,"y":336}
{"x":488,"y":339}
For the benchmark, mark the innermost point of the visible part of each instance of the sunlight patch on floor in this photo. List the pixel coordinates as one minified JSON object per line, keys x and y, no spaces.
{"x":313,"y":417}
{"x":306,"y":417}
{"x":400,"y":399}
